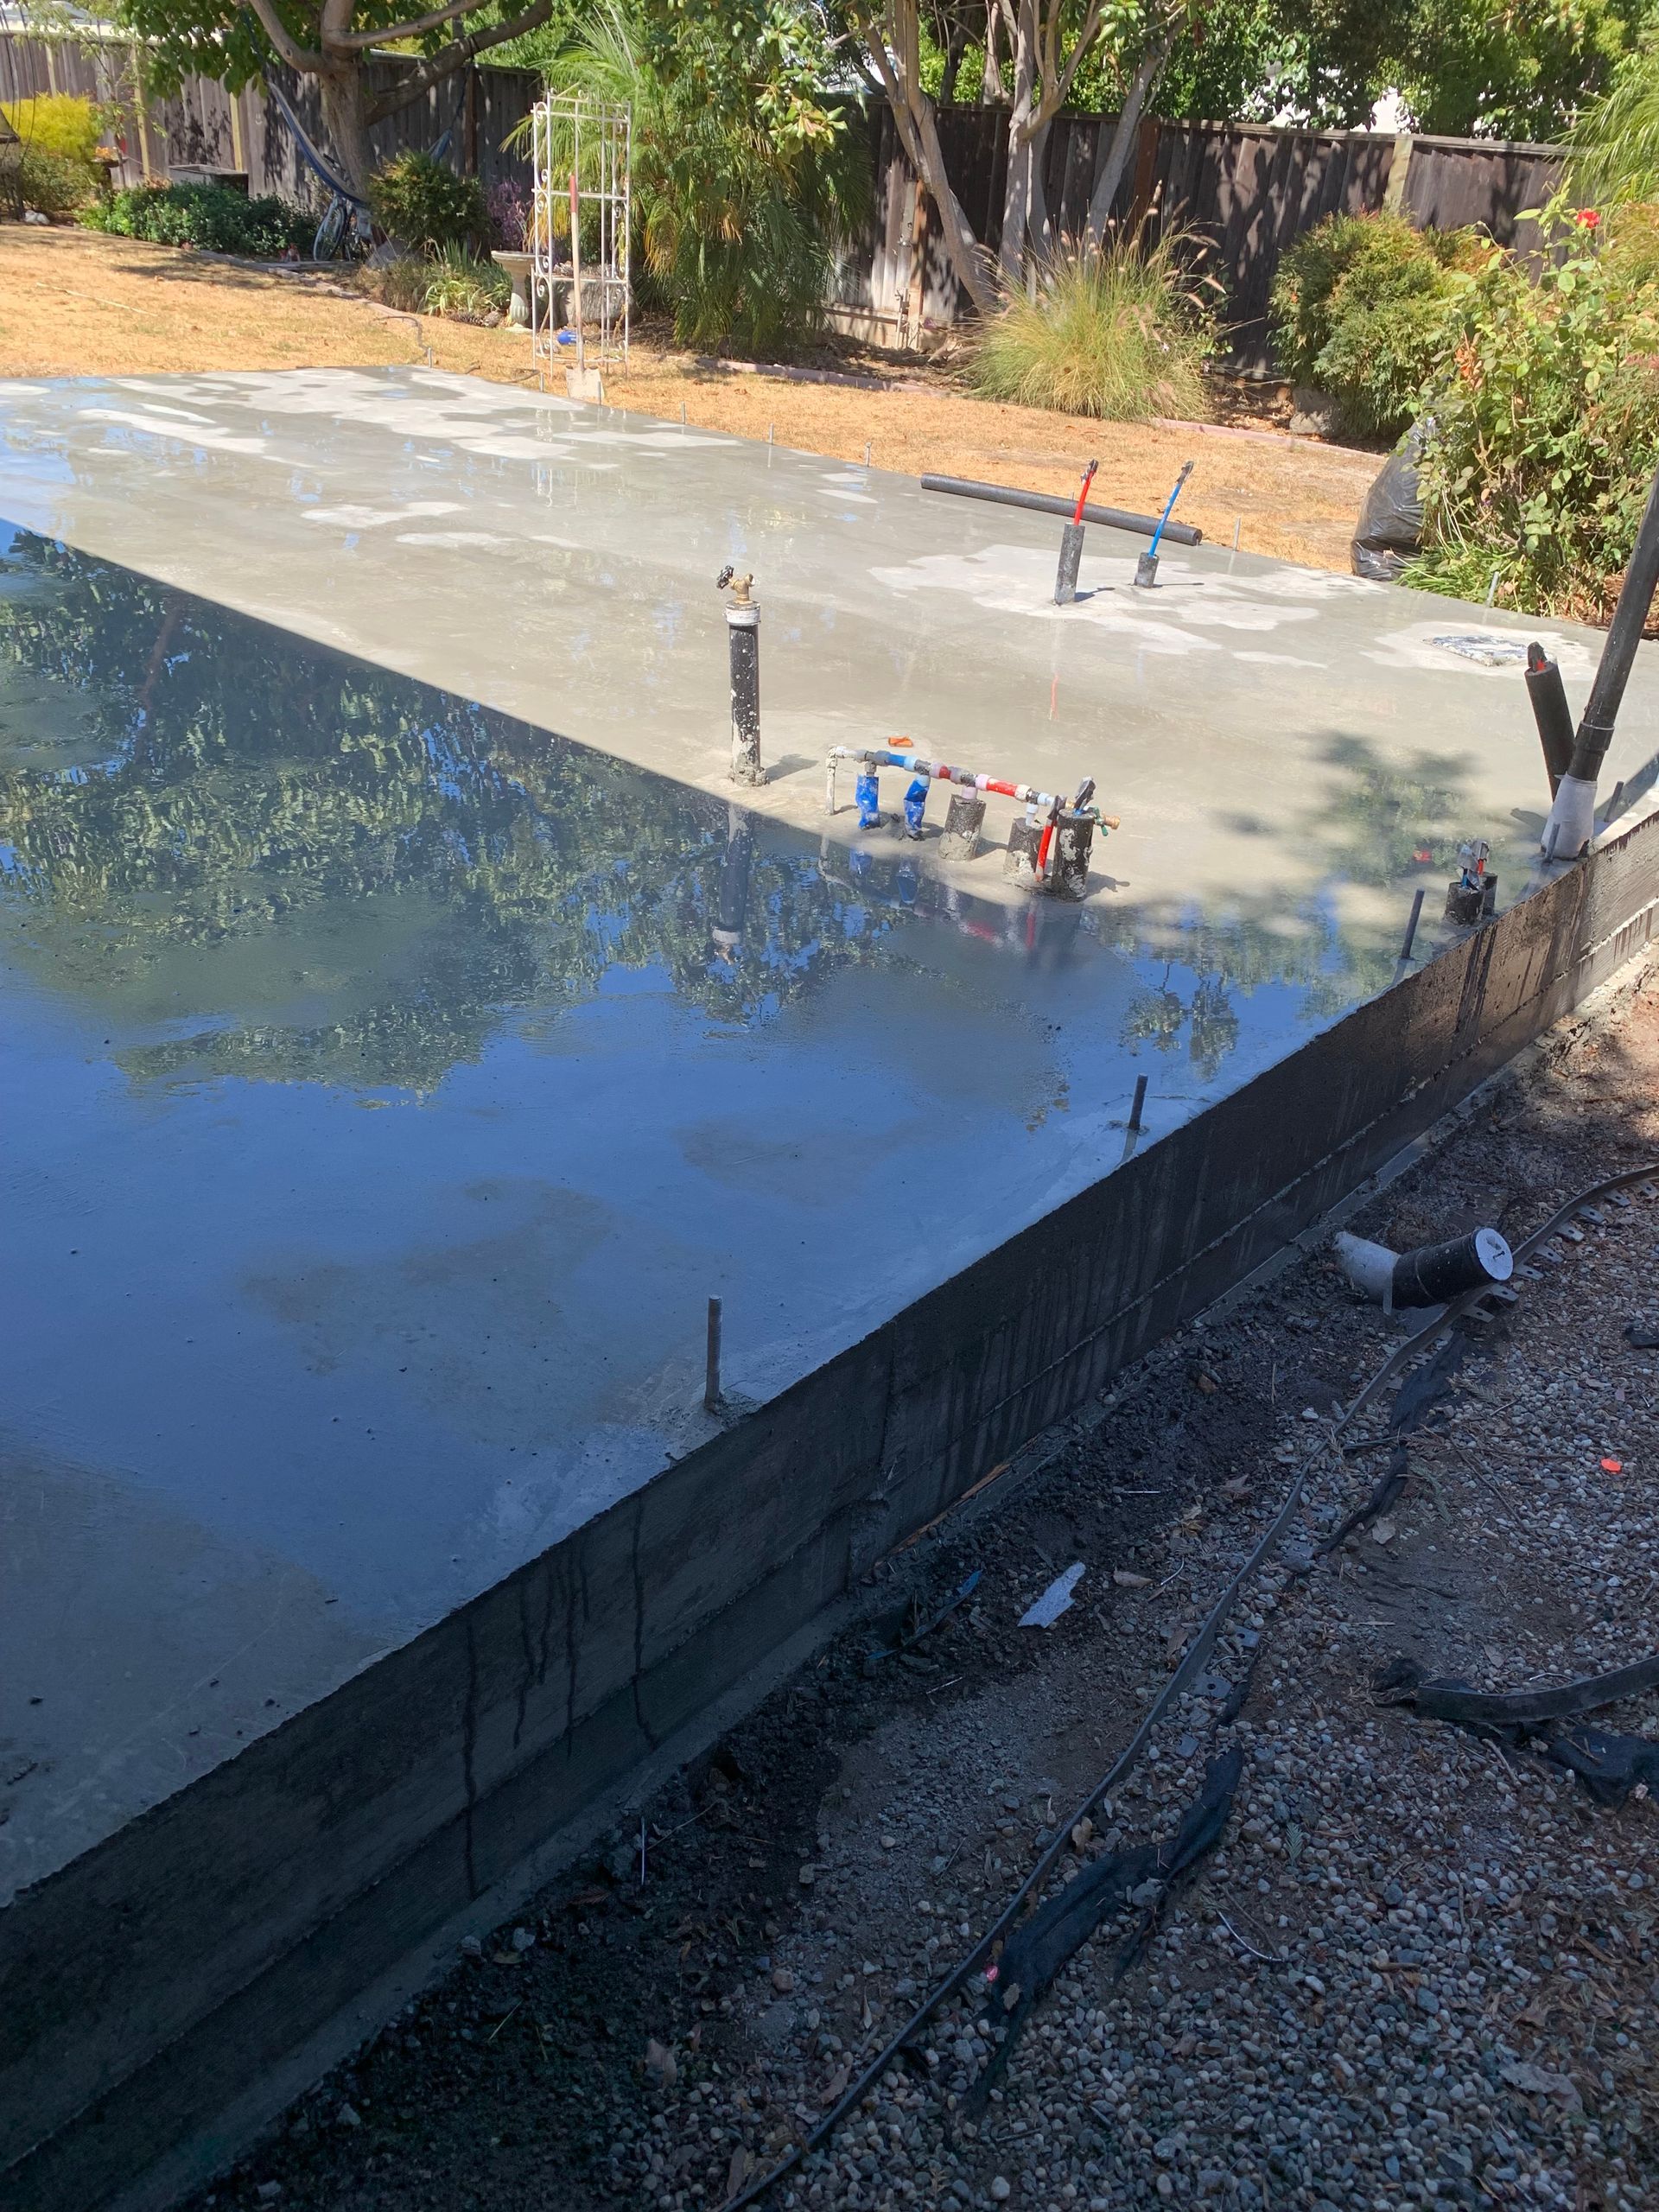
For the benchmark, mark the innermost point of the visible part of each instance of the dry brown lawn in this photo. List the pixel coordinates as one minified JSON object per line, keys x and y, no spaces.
{"x":75,"y":303}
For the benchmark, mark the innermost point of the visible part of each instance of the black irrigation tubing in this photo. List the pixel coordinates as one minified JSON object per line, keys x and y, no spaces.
{"x":1196,"y":1653}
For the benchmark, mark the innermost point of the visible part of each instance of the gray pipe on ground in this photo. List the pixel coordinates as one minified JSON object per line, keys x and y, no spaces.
{"x":1045,"y":503}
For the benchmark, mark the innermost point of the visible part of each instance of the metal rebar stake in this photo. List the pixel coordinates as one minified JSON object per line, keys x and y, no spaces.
{"x":711,"y":1398}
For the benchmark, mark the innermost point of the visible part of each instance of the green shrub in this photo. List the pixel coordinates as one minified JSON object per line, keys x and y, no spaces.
{"x":745,"y":176}
{"x":1364,"y":307}
{"x":57,"y":123}
{"x":425,"y":206}
{"x":53,"y":184}
{"x":463,"y":286}
{"x":207,"y":215}
{"x":1543,"y":428}
{"x":1123,"y":333}
{"x":400,"y":284}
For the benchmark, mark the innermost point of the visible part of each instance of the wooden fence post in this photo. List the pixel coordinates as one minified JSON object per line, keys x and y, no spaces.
{"x":1393,"y":194}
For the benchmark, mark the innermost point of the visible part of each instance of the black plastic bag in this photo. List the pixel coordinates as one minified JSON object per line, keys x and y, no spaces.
{"x":1391,"y":521}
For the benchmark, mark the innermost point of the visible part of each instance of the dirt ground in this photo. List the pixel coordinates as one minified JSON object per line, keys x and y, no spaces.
{"x":1421,"y":1968}
{"x":73,"y":303}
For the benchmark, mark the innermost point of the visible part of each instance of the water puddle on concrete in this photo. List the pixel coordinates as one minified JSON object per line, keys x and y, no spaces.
{"x":392,"y":1083}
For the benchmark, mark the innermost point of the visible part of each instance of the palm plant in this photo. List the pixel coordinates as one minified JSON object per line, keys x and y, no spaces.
{"x":1616,"y":143}
{"x":740,"y":191}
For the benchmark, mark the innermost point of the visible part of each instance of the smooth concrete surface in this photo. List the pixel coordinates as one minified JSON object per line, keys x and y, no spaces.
{"x":389,"y":1086}
{"x":1275,"y":738}
{"x":391,"y":1080}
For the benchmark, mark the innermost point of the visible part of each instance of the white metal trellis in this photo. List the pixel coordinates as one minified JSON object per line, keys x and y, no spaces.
{"x":580,"y":232}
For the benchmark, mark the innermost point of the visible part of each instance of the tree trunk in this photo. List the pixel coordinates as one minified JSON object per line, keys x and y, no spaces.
{"x":1018,"y":196}
{"x":953,"y":54}
{"x":345,"y":122}
{"x":990,"y":84}
{"x":913,"y":119}
{"x":1146,"y":77}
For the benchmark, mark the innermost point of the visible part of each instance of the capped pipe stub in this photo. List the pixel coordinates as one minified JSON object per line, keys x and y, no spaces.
{"x":1439,"y":1272}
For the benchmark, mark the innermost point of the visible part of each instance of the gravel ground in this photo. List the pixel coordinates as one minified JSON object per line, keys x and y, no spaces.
{"x":1420,"y":1966}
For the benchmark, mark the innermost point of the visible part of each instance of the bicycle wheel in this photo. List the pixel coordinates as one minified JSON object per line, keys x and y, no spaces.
{"x":331,"y":230}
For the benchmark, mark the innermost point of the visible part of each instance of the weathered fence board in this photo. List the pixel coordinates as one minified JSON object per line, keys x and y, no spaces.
{"x":1248,"y":189}
{"x":202,"y":126}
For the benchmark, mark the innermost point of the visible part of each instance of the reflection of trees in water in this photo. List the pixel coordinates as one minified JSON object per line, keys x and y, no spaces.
{"x":1388,"y":821}
{"x":429,"y":864}
{"x":1332,"y":972}
{"x":314,"y":869}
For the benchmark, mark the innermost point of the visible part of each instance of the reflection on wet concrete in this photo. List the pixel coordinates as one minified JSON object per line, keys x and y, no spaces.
{"x":393,"y":1082}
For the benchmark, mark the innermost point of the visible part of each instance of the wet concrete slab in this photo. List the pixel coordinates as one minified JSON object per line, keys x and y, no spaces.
{"x":1272,"y":737}
{"x":409,"y":1033}
{"x":390,"y":1084}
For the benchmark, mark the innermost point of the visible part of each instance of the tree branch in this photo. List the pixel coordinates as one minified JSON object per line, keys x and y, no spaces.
{"x":1129,"y":122}
{"x":912,"y":116}
{"x":448,"y":59}
{"x":286,"y":48}
{"x":1085,"y":39}
{"x":413,"y":29}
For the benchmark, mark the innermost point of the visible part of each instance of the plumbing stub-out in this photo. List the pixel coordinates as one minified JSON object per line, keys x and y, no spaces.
{"x":1434,"y":1275}
{"x":1472,"y":893}
{"x":1049,"y":846}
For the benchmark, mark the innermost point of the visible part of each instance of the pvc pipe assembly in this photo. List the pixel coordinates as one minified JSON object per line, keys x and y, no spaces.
{"x":1551,"y":713}
{"x":1049,"y":846}
{"x":1044,"y":502}
{"x":939,"y":771}
{"x":1065,"y":582}
{"x":1571,"y":821}
{"x":1432,"y":1275}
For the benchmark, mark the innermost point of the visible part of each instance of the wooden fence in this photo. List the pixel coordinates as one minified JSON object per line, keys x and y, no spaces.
{"x":202,"y":126}
{"x":1248,"y":188}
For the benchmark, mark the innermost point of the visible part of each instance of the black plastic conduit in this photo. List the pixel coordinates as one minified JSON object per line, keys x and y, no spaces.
{"x":1045,"y":503}
{"x":1618,"y":654}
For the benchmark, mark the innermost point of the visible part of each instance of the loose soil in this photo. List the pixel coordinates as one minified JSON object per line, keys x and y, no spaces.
{"x":73,"y":303}
{"x":1420,"y":1968}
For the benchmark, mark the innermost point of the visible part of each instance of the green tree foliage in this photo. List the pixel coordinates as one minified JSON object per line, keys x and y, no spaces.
{"x":745,"y":175}
{"x":328,"y":40}
{"x":1364,"y":307}
{"x":1544,"y":424}
{"x":1616,"y":142}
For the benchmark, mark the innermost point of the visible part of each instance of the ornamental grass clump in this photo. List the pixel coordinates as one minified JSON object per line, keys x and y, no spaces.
{"x":1123,"y":334}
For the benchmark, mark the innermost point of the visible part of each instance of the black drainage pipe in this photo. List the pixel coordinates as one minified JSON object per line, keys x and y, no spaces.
{"x":1571,"y":821}
{"x":1551,"y":713}
{"x":1439,"y":1272}
{"x":1044,"y":502}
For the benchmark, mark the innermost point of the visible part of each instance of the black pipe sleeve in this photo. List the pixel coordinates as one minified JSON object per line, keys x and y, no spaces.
{"x":1045,"y":503}
{"x":1551,"y":713}
{"x":1618,"y":654}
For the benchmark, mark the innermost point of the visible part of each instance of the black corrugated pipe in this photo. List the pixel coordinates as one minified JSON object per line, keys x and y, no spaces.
{"x":1571,"y":821}
{"x":1551,"y":713}
{"x":1045,"y":503}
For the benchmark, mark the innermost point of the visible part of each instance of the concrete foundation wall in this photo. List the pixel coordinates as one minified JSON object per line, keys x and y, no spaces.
{"x":152,"y":1979}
